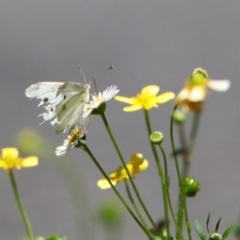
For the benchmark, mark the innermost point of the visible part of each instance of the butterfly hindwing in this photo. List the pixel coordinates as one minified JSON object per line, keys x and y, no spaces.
{"x":70,"y":110}
{"x":70,"y":113}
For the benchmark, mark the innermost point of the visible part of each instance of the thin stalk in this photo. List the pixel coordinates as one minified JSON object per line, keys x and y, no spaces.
{"x":193,"y":134}
{"x":20,"y":206}
{"x":160,"y":172}
{"x":183,"y":142}
{"x":134,"y":204}
{"x":125,"y":167}
{"x":184,"y":172}
{"x":181,"y":200}
{"x":187,"y":223}
{"x":146,"y":231}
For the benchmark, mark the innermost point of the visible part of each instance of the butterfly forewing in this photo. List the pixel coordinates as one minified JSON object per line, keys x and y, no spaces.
{"x":46,"y":91}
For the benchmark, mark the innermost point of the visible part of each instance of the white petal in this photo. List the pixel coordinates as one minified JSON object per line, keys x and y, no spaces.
{"x":109,"y":93}
{"x":197,"y":94}
{"x":219,"y":85}
{"x":183,"y":95}
{"x":61,"y":150}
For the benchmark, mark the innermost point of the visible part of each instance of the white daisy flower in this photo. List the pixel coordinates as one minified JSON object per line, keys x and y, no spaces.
{"x":99,"y":98}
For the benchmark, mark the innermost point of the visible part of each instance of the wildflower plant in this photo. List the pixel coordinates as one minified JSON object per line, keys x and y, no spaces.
{"x":190,"y":100}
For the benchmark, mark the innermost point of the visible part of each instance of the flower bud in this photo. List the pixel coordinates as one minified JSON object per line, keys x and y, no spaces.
{"x":110,"y":213}
{"x":198,"y":77}
{"x":215,"y":236}
{"x":156,"y":137}
{"x":191,"y":186}
{"x":179,"y":117}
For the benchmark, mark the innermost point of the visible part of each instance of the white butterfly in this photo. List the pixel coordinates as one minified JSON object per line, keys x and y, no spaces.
{"x":63,"y":101}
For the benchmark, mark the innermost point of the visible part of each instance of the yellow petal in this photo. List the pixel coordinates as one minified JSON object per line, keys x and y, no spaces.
{"x":151,"y":89}
{"x":138,"y":163}
{"x":11,"y":153}
{"x":30,"y":161}
{"x":143,"y":166}
{"x":104,"y":184}
{"x":123,"y":99}
{"x":132,"y":108}
{"x":136,"y":159}
{"x":183,"y":95}
{"x":165,"y":97}
{"x":3,"y":164}
{"x":197,"y":94}
{"x":219,"y":85}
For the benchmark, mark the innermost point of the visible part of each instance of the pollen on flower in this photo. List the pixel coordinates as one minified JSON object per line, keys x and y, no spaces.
{"x":10,"y":159}
{"x":75,"y":137}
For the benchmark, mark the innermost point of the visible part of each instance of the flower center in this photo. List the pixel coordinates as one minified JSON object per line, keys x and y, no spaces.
{"x":147,"y":100}
{"x":73,"y":138}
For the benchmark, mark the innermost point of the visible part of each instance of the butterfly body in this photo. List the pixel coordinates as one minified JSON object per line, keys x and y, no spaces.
{"x":63,"y":101}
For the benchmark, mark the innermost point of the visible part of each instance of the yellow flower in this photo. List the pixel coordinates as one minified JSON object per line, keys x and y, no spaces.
{"x":146,"y":99}
{"x":136,"y":165}
{"x":10,"y":160}
{"x":194,"y":93}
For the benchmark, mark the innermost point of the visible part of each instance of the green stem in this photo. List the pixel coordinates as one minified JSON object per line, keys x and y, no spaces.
{"x":187,"y":223}
{"x":193,"y":134}
{"x":134,"y":204}
{"x":125,"y":167}
{"x":160,"y":172}
{"x":181,"y":200}
{"x":20,"y":206}
{"x":183,"y":142}
{"x":184,"y":173}
{"x":85,"y":147}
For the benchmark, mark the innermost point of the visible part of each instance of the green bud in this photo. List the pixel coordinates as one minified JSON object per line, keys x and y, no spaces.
{"x":56,"y":237}
{"x":215,"y":236}
{"x":179,"y":117}
{"x":29,"y":141}
{"x":157,"y":137}
{"x":199,"y":76}
{"x":191,"y":186}
{"x":110,"y":213}
{"x":101,"y":109}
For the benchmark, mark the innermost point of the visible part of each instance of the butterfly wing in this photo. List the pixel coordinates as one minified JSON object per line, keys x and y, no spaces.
{"x":70,"y":110}
{"x":47,"y":92}
{"x":64,"y":101}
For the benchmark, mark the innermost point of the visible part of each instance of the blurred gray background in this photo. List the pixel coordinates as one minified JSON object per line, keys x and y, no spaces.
{"x":148,"y":42}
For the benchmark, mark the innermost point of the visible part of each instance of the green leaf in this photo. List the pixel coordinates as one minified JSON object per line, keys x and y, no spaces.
{"x":217,"y":225}
{"x":229,"y":230}
{"x":208,"y":219}
{"x":200,"y":231}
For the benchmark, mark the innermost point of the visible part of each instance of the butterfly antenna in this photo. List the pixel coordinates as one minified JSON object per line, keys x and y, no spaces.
{"x":95,"y":85}
{"x":94,"y":78}
{"x":82,"y":74}
{"x":104,"y":71}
